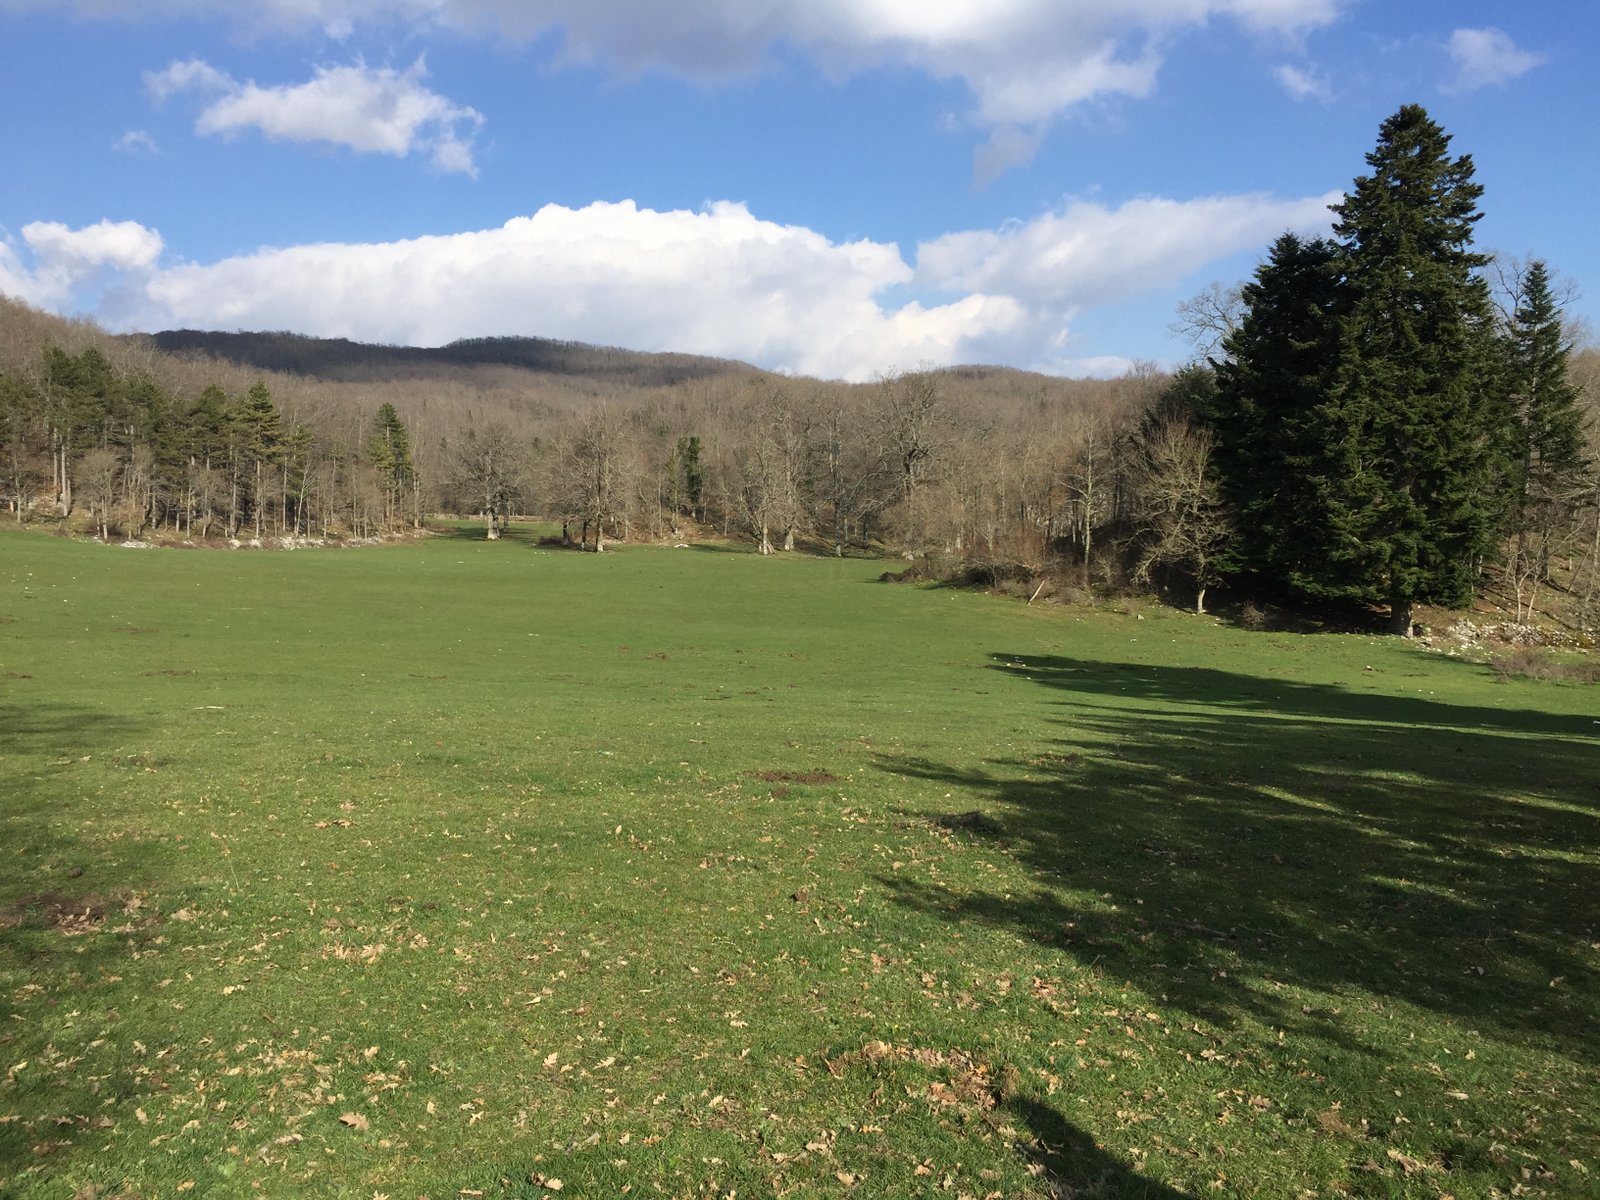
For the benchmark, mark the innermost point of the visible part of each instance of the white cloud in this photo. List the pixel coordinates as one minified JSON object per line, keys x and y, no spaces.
{"x":1487,"y":58}
{"x":1025,"y":62}
{"x":136,"y":141}
{"x":191,"y":76}
{"x":1100,"y":366}
{"x":1090,"y":254}
{"x":66,"y":259}
{"x":1303,"y":84}
{"x":720,"y":281}
{"x":372,"y":110}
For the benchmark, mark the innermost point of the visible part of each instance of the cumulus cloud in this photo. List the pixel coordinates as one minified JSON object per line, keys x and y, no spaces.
{"x":372,"y":110}
{"x":65,"y":259}
{"x":718,"y":281}
{"x":1487,"y":58}
{"x":1025,"y":62}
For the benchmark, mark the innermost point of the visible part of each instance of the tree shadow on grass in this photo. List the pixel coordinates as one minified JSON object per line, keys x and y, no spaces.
{"x":62,"y":904}
{"x":1208,"y":836}
{"x":516,"y":534}
{"x":1076,"y":1166}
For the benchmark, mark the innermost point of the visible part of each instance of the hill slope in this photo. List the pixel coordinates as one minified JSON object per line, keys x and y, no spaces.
{"x":344,"y":360}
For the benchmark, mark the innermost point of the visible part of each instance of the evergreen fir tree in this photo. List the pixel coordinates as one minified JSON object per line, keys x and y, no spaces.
{"x":1264,"y":411}
{"x":257,"y":442}
{"x":390,"y":453}
{"x":1547,"y":460}
{"x":1409,"y":426}
{"x":1547,"y":426}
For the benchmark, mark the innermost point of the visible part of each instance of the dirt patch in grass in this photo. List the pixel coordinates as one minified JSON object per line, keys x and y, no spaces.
{"x":809,"y":777}
{"x":74,"y":916}
{"x":15,"y":675}
{"x":169,"y":674}
{"x":976,"y":821}
{"x":135,"y":630}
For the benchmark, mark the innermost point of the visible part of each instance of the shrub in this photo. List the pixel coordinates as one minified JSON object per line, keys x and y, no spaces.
{"x":1529,"y":662}
{"x":1253,"y":617}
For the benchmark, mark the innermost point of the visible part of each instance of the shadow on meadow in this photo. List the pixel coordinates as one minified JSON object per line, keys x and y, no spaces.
{"x":1077,"y":1165}
{"x":55,"y":881}
{"x":66,"y":907}
{"x":474,"y":531}
{"x":1205,"y":835}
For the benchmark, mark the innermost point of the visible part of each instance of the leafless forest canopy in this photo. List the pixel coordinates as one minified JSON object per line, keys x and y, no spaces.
{"x":193,"y":435}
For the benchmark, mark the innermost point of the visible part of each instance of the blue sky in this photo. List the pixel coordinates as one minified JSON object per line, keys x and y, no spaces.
{"x":830,"y":187}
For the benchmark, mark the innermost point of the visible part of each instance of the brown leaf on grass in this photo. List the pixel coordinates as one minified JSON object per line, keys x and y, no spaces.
{"x":355,"y":1121}
{"x":1407,"y":1164}
{"x":1330,"y":1121}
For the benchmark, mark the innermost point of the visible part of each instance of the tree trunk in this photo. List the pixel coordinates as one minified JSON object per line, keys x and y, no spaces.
{"x":1400,"y":617}
{"x":1200,"y":600}
{"x":491,"y":531}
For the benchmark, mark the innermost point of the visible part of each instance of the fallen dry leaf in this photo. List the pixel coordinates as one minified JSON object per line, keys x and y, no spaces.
{"x":355,"y":1121}
{"x":1407,"y":1164}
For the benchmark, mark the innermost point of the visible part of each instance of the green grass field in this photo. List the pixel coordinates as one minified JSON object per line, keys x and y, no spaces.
{"x":464,"y":868}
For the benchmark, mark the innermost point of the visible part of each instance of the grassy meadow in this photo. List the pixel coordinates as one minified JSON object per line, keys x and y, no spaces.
{"x":461,"y":868}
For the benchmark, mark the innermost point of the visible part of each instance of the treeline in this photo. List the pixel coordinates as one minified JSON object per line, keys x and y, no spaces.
{"x":129,"y":441}
{"x":82,"y":436}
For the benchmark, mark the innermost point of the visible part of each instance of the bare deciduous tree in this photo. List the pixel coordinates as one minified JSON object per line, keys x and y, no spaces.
{"x":489,"y":468}
{"x":1185,"y":523}
{"x":1206,"y":319}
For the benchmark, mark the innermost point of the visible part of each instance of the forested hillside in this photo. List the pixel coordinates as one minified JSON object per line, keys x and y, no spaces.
{"x":1387,"y":419}
{"x":342,"y":359}
{"x":129,"y":440}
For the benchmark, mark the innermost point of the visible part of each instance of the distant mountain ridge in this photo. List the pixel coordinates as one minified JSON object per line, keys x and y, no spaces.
{"x":345,"y":360}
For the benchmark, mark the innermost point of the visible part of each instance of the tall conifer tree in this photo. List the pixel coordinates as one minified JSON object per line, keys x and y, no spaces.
{"x":390,"y":452}
{"x":1269,"y":390}
{"x":258,"y":439}
{"x":1547,"y":460}
{"x":1411,"y":421}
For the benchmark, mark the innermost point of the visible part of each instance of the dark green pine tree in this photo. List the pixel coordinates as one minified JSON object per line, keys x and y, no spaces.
{"x":79,"y":393}
{"x":1264,"y":413}
{"x":257,"y":443}
{"x":207,"y":426}
{"x":1408,"y":485}
{"x":1547,"y":456}
{"x":390,"y":453}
